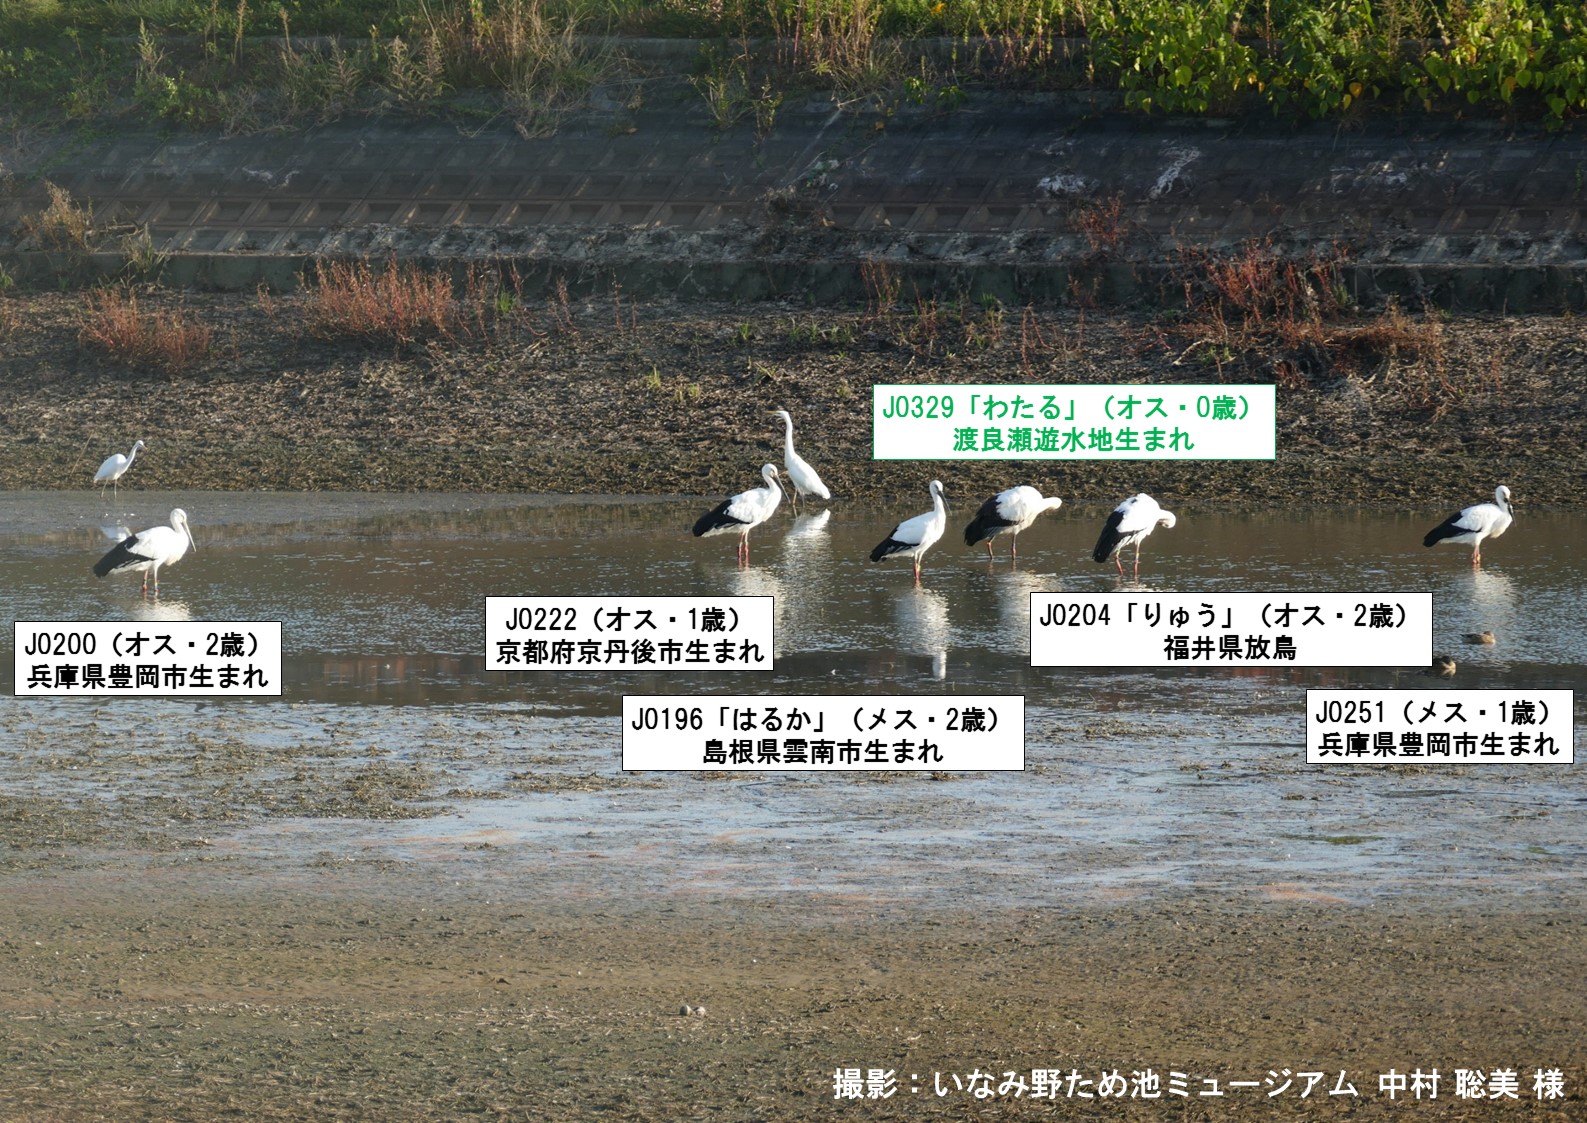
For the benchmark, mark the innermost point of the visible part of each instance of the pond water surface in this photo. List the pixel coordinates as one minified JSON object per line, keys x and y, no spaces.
{"x":1137,"y":781}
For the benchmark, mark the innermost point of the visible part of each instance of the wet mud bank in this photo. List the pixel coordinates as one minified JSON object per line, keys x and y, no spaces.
{"x":626,"y":396}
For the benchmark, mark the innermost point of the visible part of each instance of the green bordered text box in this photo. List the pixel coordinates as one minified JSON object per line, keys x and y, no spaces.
{"x":1074,"y":422}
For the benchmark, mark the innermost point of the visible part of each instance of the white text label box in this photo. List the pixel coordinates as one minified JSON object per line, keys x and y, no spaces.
{"x":1231,"y":629}
{"x":724,"y":633}
{"x":164,"y":658}
{"x":1072,"y":422}
{"x":824,"y":733}
{"x":1428,"y":726}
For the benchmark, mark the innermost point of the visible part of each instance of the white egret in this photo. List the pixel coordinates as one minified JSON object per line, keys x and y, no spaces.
{"x":147,"y":550}
{"x":743,"y":512}
{"x":1472,"y":524}
{"x":115,"y":467}
{"x":913,"y":537}
{"x":1008,"y":512}
{"x":1129,"y":524}
{"x":804,"y":478}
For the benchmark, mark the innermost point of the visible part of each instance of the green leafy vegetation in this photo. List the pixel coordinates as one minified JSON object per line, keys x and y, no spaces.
{"x":244,"y":64}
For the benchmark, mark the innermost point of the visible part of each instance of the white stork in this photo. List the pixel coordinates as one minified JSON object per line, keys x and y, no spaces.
{"x":743,"y":512}
{"x":1129,"y":524}
{"x":803,"y":477}
{"x":1008,"y":511}
{"x":114,"y":467}
{"x":1472,"y":524}
{"x":913,"y":537}
{"x":148,"y":550}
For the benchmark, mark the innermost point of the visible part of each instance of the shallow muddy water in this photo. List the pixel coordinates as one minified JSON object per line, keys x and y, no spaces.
{"x":391,"y":741}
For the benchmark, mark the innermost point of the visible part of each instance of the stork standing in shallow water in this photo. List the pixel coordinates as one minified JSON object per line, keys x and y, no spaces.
{"x":913,"y":537}
{"x":114,"y":468}
{"x":1008,"y":512}
{"x":1471,"y":525}
{"x":1130,"y":523}
{"x":743,"y":512}
{"x":148,"y":550}
{"x":803,"y":477}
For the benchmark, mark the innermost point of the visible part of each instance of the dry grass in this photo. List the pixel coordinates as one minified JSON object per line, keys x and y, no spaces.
{"x":10,"y":314}
{"x":1102,"y":224}
{"x":1039,"y":347}
{"x":62,"y":225}
{"x":560,"y":309}
{"x":114,"y":324}
{"x":1267,"y":290}
{"x":951,"y":328}
{"x":405,"y":304}
{"x":397,"y":304}
{"x":1408,"y":355}
{"x":1258,"y":313}
{"x":526,"y":48}
{"x":883,"y":287}
{"x":837,"y":41}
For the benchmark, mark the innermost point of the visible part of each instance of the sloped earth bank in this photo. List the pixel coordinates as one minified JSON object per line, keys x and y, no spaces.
{"x":613,"y":396}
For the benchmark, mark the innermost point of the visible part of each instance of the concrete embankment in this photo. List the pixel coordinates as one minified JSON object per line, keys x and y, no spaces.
{"x":1026,"y":198}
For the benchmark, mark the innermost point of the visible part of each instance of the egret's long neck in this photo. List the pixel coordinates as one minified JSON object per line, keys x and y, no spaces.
{"x":131,"y":456}
{"x":787,"y":435}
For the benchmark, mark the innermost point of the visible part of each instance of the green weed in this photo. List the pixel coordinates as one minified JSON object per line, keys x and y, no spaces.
{"x":202,"y":63}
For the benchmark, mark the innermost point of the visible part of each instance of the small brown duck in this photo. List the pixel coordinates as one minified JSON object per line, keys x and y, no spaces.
{"x":1443,"y":667}
{"x":1486,"y":638}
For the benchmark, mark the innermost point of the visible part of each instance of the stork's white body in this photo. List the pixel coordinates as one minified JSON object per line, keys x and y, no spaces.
{"x":743,"y":512}
{"x":804,"y":478}
{"x":1470,"y":525}
{"x":913,"y":537}
{"x":147,"y":550}
{"x":1008,"y":512}
{"x":1129,"y":524}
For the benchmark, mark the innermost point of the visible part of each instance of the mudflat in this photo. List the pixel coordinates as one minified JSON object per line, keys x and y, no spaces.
{"x":393,"y":993}
{"x":610,"y":396}
{"x":145,"y":974}
{"x":307,"y":933}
